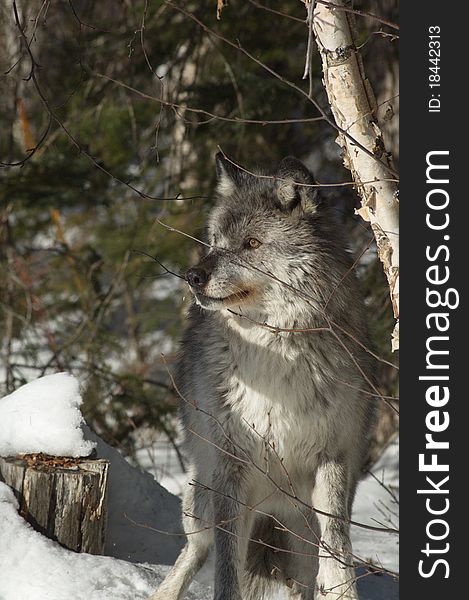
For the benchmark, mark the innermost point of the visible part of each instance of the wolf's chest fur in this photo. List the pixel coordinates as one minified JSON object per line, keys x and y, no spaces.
{"x":275,"y":387}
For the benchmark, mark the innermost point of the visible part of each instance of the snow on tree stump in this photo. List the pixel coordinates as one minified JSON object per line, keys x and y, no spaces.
{"x":62,"y":498}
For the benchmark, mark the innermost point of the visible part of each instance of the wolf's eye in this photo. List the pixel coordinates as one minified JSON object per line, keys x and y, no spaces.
{"x":253,"y":243}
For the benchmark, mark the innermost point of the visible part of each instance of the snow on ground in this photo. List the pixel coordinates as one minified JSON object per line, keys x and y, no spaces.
{"x":375,"y":505}
{"x":35,"y":568}
{"x":44,"y":416}
{"x":137,"y":507}
{"x":155,"y":454}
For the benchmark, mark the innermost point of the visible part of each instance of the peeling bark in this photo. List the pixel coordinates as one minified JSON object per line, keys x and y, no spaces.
{"x":354,"y":109}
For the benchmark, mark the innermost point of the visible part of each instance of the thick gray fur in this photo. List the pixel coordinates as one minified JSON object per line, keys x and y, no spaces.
{"x":274,"y":420}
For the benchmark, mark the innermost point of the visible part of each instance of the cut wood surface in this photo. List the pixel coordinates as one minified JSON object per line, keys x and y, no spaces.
{"x":62,"y":498}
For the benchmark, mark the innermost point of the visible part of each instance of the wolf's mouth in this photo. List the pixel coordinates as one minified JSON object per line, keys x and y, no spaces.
{"x":213,"y":301}
{"x":225,"y":299}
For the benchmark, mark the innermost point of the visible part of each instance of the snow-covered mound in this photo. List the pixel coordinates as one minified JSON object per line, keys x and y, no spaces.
{"x":35,"y":568}
{"x":44,"y":416}
{"x":138,"y":507}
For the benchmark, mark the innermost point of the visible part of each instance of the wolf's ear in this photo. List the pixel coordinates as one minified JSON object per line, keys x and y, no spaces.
{"x":228,"y":175}
{"x":293,"y":181}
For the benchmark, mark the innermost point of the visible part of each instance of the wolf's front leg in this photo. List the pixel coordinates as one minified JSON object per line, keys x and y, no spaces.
{"x":196,"y":517}
{"x":336,"y":577}
{"x":233,"y":528}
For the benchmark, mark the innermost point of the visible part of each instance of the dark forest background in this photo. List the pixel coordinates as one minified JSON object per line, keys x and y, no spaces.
{"x":111,"y":113}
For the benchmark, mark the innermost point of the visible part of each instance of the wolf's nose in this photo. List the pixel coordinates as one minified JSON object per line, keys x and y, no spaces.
{"x":197,"y":277}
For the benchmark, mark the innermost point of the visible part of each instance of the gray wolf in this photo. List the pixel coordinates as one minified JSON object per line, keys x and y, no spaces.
{"x":270,"y":375}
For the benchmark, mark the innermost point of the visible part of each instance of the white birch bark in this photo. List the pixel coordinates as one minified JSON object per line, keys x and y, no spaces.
{"x":353,"y":106}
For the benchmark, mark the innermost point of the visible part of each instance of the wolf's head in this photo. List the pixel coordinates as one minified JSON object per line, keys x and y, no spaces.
{"x":261,"y":234}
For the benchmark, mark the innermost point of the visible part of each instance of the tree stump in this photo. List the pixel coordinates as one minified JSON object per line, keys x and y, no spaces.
{"x":62,"y":498}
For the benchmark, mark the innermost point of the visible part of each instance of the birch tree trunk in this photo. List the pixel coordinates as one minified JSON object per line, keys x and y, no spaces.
{"x":353,"y":106}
